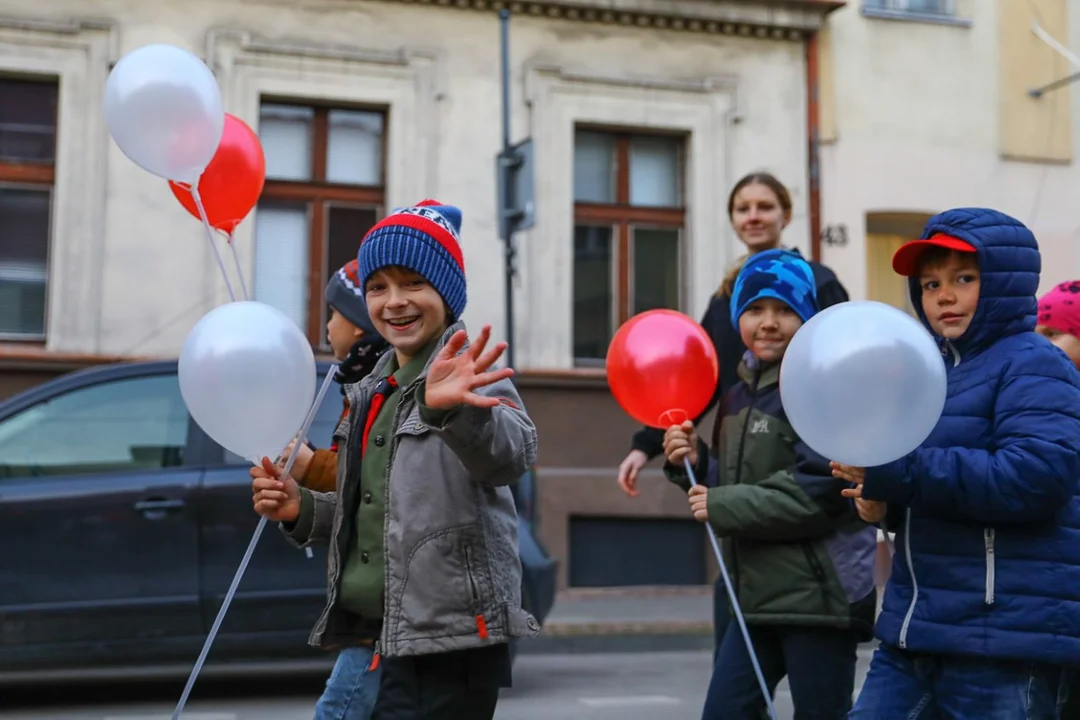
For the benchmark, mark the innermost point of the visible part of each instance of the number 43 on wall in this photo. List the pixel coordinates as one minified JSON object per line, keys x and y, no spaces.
{"x":835,"y":235}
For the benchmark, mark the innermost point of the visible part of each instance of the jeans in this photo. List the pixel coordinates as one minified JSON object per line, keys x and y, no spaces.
{"x":352,"y":687}
{"x":454,"y":685}
{"x":912,"y":686}
{"x":818,"y":662}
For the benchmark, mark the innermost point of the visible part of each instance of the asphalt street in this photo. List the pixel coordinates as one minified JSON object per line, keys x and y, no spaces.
{"x":602,"y":686}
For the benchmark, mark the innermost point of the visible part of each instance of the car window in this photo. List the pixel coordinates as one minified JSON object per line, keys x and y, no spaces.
{"x":127,"y":425}
{"x":322,"y":427}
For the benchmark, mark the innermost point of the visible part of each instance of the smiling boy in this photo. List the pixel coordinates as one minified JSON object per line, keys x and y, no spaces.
{"x":801,"y":562}
{"x":980,"y":616}
{"x":423,"y":531}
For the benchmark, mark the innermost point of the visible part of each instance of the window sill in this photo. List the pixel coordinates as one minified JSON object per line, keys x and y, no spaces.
{"x":568,"y":378}
{"x":906,"y":16}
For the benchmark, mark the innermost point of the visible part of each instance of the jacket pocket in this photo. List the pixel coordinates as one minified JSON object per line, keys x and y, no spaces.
{"x":438,"y":596}
{"x":988,"y":542}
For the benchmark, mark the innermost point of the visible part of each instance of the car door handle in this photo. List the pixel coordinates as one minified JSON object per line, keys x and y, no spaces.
{"x":156,"y":508}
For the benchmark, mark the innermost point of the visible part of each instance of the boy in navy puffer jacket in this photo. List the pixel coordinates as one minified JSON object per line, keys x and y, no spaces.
{"x":981,"y":616}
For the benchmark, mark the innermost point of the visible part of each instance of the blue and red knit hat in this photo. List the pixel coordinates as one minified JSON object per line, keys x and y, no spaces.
{"x":425,"y":239}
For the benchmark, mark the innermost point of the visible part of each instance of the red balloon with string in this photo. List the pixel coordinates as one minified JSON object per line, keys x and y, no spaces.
{"x":233,"y":181}
{"x":662,"y":368}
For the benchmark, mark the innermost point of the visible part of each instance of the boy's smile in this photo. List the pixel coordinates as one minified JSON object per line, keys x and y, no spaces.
{"x":405,"y":309}
{"x":950,"y":293}
{"x":767,"y":326}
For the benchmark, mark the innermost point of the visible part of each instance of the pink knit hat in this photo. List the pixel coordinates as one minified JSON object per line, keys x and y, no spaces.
{"x":1059,"y":309}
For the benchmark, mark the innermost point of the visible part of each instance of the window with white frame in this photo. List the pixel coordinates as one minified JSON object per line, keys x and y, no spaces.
{"x":325,"y":188}
{"x":28,"y":119}
{"x":628,"y":232}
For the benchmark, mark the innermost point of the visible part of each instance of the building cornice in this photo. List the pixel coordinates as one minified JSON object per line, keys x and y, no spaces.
{"x":763,"y":19}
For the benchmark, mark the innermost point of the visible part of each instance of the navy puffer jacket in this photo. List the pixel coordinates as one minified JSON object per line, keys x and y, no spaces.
{"x":988,"y":553}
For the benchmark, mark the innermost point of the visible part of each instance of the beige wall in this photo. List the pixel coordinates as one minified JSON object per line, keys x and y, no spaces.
{"x":931,"y":116}
{"x":128,"y":261}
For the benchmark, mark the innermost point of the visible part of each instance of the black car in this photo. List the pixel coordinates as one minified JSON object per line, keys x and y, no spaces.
{"x":123,"y":524}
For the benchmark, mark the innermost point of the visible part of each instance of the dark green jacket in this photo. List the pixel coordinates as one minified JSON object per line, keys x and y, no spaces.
{"x":794,"y":546}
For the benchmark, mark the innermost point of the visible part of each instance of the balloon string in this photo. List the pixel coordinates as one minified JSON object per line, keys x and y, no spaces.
{"x":210,"y":236}
{"x":239,"y":271}
{"x":301,"y":438}
{"x":734,"y":603}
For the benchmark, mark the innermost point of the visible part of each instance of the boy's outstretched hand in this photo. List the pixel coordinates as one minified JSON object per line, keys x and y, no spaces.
{"x":699,"y":502}
{"x":276,"y":496}
{"x":452,"y":378}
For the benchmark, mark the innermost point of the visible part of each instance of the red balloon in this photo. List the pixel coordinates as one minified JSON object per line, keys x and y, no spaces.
{"x":232,"y":182}
{"x":662,"y":368}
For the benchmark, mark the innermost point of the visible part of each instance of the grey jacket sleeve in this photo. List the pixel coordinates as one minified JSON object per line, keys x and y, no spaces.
{"x":496,"y":445}
{"x":315,"y":523}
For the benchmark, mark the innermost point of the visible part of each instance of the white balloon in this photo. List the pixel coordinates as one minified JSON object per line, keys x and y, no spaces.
{"x":863,"y":383}
{"x":247,"y":375}
{"x":164,"y":110}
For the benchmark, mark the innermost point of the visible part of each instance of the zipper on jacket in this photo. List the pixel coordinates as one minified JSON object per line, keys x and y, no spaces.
{"x":988,"y":539}
{"x":914,"y":583}
{"x":481,"y":624}
{"x":375,"y":657}
{"x":738,"y":474}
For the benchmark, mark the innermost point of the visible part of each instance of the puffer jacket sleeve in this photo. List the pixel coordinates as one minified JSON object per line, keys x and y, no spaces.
{"x":1034,"y":467}
{"x":796,"y":503}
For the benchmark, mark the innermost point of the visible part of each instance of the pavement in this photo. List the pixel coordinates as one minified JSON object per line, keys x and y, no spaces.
{"x":604,"y":686}
{"x":604,"y":654}
{"x":627,"y":619}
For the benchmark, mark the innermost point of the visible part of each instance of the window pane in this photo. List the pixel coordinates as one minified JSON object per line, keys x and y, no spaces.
{"x":285,"y":132}
{"x":656,"y":269}
{"x":594,"y":167}
{"x":125,"y":425}
{"x":282,"y":253}
{"x":322,"y":429}
{"x":346,"y":227}
{"x":27,"y":120}
{"x":24,"y":260}
{"x":354,"y":148}
{"x":594,"y":255}
{"x":654,"y":172}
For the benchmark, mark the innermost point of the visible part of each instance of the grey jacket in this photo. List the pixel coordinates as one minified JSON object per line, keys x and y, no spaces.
{"x":450,"y":529}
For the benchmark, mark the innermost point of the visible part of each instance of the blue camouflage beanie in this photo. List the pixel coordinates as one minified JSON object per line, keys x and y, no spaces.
{"x":780,"y":274}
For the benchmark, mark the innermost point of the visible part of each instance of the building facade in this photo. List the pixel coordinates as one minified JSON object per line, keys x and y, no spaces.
{"x":932,"y":104}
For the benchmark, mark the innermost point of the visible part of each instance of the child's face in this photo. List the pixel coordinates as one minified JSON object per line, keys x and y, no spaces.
{"x":405,"y":309}
{"x":950,"y":293}
{"x":1069,"y":343}
{"x":342,"y":334}
{"x":767,"y":326}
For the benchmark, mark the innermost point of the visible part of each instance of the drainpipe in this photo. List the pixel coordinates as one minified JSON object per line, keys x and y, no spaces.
{"x":813,"y":164}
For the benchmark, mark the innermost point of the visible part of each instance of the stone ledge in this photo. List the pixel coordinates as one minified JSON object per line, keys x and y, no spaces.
{"x":791,"y":20}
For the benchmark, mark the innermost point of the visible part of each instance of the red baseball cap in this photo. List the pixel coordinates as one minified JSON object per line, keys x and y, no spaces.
{"x":906,"y":260}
